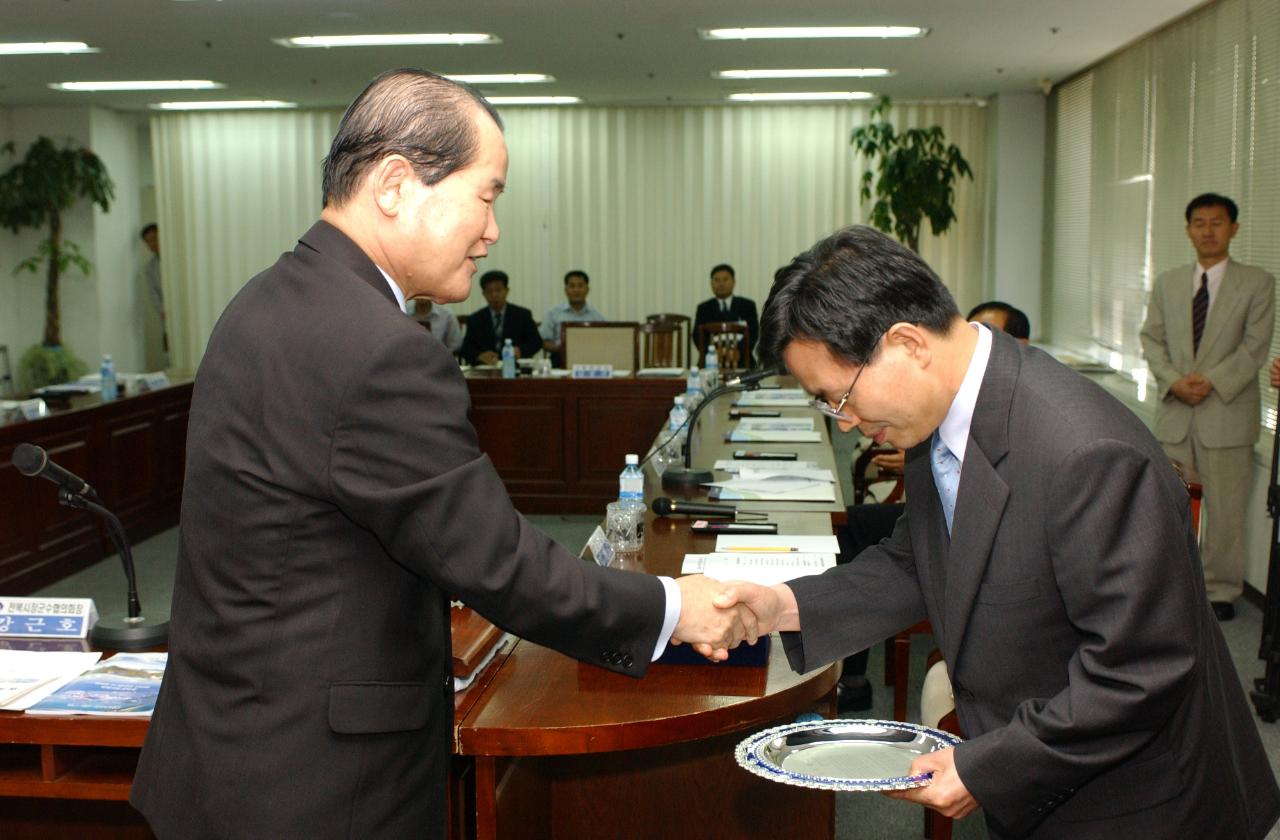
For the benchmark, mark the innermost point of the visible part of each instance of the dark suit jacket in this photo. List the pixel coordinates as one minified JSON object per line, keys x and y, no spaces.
{"x":1089,"y":673}
{"x":740,"y":309}
{"x":517,"y":325}
{"x":335,"y":499}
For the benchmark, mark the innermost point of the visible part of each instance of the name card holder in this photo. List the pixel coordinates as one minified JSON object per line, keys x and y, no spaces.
{"x":47,"y":618}
{"x":593,"y":371}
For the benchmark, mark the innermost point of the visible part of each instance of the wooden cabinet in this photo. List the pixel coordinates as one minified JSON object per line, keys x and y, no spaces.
{"x":132,"y":451}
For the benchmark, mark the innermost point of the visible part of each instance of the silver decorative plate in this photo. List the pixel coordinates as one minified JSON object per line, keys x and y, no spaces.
{"x":842,"y":754}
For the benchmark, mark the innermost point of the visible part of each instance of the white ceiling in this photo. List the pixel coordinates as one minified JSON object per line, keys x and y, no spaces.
{"x":605,"y":51}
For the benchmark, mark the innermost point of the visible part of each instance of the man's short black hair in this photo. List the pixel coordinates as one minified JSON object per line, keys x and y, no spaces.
{"x":142,"y":234}
{"x":723,"y":267}
{"x":1016,"y":322}
{"x":494,"y":276}
{"x":577,"y":272}
{"x":425,"y":117}
{"x":847,"y":291}
{"x":1213,"y":200}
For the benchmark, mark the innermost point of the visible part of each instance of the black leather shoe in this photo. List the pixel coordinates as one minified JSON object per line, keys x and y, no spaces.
{"x":854,"y":695}
{"x":1224,"y":610}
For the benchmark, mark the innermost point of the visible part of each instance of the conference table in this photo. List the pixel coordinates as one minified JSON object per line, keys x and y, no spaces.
{"x":544,"y":746}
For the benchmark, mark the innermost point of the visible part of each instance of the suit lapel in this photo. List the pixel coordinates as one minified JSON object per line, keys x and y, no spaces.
{"x":928,"y":531}
{"x":326,"y":239}
{"x":1178,"y":296}
{"x":983,"y":494}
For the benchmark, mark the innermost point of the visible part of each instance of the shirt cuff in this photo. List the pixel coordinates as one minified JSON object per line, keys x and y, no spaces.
{"x":674,"y":604}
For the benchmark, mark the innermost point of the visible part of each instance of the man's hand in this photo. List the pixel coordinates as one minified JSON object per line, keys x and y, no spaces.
{"x":891,"y":462}
{"x":487,"y":357}
{"x":946,"y":793}
{"x":710,"y":623}
{"x":1192,"y":388}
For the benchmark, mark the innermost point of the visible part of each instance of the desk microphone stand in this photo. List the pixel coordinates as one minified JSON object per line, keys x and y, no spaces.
{"x":1266,"y":689}
{"x":113,"y":631}
{"x":686,"y":477}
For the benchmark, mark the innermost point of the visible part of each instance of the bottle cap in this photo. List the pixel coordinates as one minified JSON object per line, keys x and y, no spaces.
{"x":633,"y":459}
{"x":679,"y":399}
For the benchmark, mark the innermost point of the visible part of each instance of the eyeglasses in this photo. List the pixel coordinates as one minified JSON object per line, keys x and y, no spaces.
{"x":837,"y":413}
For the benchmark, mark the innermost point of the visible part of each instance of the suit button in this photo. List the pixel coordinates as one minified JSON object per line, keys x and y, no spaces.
{"x":627,"y":661}
{"x":604,"y":654}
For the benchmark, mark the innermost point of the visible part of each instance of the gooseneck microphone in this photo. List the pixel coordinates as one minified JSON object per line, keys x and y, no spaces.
{"x":34,"y":462}
{"x":131,"y":631}
{"x":686,"y":477}
{"x":667,"y":507}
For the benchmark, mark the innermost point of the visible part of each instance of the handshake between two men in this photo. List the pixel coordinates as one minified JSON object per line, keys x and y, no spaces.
{"x":716,"y":616}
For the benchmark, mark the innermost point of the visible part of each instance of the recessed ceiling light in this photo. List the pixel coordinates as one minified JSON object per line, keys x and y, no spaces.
{"x":816,"y":96}
{"x":499,"y":78}
{"x":389,"y":40}
{"x":172,"y":84}
{"x":814,"y":32}
{"x":533,"y":100}
{"x":224,"y":105}
{"x":829,"y":73}
{"x":46,"y":48}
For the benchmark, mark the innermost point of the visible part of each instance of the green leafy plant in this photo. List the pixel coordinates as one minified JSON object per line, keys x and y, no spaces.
{"x":41,"y":366}
{"x":917,"y":173}
{"x":34,"y":193}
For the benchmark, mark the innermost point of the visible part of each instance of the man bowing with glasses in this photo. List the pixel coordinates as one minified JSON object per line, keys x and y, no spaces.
{"x":1047,"y":539}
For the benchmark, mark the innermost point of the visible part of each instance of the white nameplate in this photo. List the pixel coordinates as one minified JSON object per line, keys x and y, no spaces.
{"x":33,"y":409}
{"x":593,"y":371}
{"x":45,"y":618}
{"x":601,"y":548}
{"x":154,"y":381}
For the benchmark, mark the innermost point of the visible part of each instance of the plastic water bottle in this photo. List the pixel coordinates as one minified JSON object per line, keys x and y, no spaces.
{"x":693,"y":389}
{"x":710,"y":370}
{"x":631,"y":482}
{"x":508,"y":360}
{"x":108,"y":371}
{"x":678,"y":417}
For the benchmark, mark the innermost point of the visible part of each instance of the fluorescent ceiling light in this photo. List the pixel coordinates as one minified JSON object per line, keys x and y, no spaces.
{"x":499,"y":78}
{"x":46,"y":48}
{"x":829,"y":73}
{"x":224,"y":105}
{"x":818,"y":96}
{"x":174,"y":84}
{"x":389,"y":40}
{"x":814,"y":32}
{"x":533,"y":100}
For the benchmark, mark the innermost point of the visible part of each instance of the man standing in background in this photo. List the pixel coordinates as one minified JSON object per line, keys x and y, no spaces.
{"x":1207,"y":333}
{"x":155,"y":326}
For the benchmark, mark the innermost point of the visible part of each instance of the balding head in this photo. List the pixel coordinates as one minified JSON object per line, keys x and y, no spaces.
{"x":428,"y":119}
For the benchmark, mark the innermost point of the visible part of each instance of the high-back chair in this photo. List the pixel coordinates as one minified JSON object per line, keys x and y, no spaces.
{"x":662,"y":344}
{"x":601,"y":343}
{"x":684,"y":323}
{"x":730,"y":341}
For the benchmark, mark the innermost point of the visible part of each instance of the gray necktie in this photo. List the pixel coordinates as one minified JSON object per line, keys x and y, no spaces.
{"x":497,"y":330}
{"x":946,"y":475}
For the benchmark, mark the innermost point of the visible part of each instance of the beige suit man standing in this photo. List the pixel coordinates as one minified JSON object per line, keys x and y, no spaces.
{"x":1208,"y":416}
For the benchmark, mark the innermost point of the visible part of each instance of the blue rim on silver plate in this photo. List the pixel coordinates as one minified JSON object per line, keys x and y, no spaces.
{"x":854,"y":755}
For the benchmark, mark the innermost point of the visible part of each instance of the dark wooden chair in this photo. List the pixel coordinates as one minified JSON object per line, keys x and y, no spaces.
{"x":662,"y":344}
{"x":685,"y":324}
{"x":864,"y":474}
{"x":730,"y":341}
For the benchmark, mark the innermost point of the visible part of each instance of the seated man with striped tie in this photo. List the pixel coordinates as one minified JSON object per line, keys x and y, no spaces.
{"x":1208,"y":332}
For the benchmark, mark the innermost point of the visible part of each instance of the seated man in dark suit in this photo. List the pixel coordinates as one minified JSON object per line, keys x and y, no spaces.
{"x":488,"y":327}
{"x":726,"y":307}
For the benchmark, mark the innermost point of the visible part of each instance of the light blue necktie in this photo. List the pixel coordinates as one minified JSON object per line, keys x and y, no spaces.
{"x":946,"y":475}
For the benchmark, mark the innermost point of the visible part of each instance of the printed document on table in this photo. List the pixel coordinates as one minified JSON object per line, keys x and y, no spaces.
{"x":774,"y":398}
{"x":758,"y":473}
{"x":762,"y":568}
{"x":776,"y":488}
{"x":733,"y":465}
{"x":28,"y":676}
{"x":740,"y":435}
{"x":731,"y":543}
{"x":125,"y":685}
{"x":777,"y":424}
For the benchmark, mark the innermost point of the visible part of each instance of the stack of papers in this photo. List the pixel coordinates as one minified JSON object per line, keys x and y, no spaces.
{"x":731,"y":465}
{"x":27,"y":676}
{"x":765,"y":559}
{"x":785,"y":487}
{"x":758,"y":434}
{"x":777,"y":397}
{"x":125,"y":685}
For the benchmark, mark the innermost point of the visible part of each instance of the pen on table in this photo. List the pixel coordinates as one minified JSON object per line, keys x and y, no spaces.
{"x":773,"y":549}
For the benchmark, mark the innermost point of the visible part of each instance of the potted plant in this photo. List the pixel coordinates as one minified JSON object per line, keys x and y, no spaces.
{"x":34,"y":193}
{"x":917,"y":174}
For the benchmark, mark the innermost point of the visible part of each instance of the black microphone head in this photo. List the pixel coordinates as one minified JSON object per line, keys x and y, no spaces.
{"x":29,"y":459}
{"x":662,"y":506}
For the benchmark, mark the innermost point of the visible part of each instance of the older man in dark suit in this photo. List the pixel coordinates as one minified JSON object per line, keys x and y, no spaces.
{"x":335,"y":500}
{"x":1048,"y":540}
{"x":724,"y":306}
